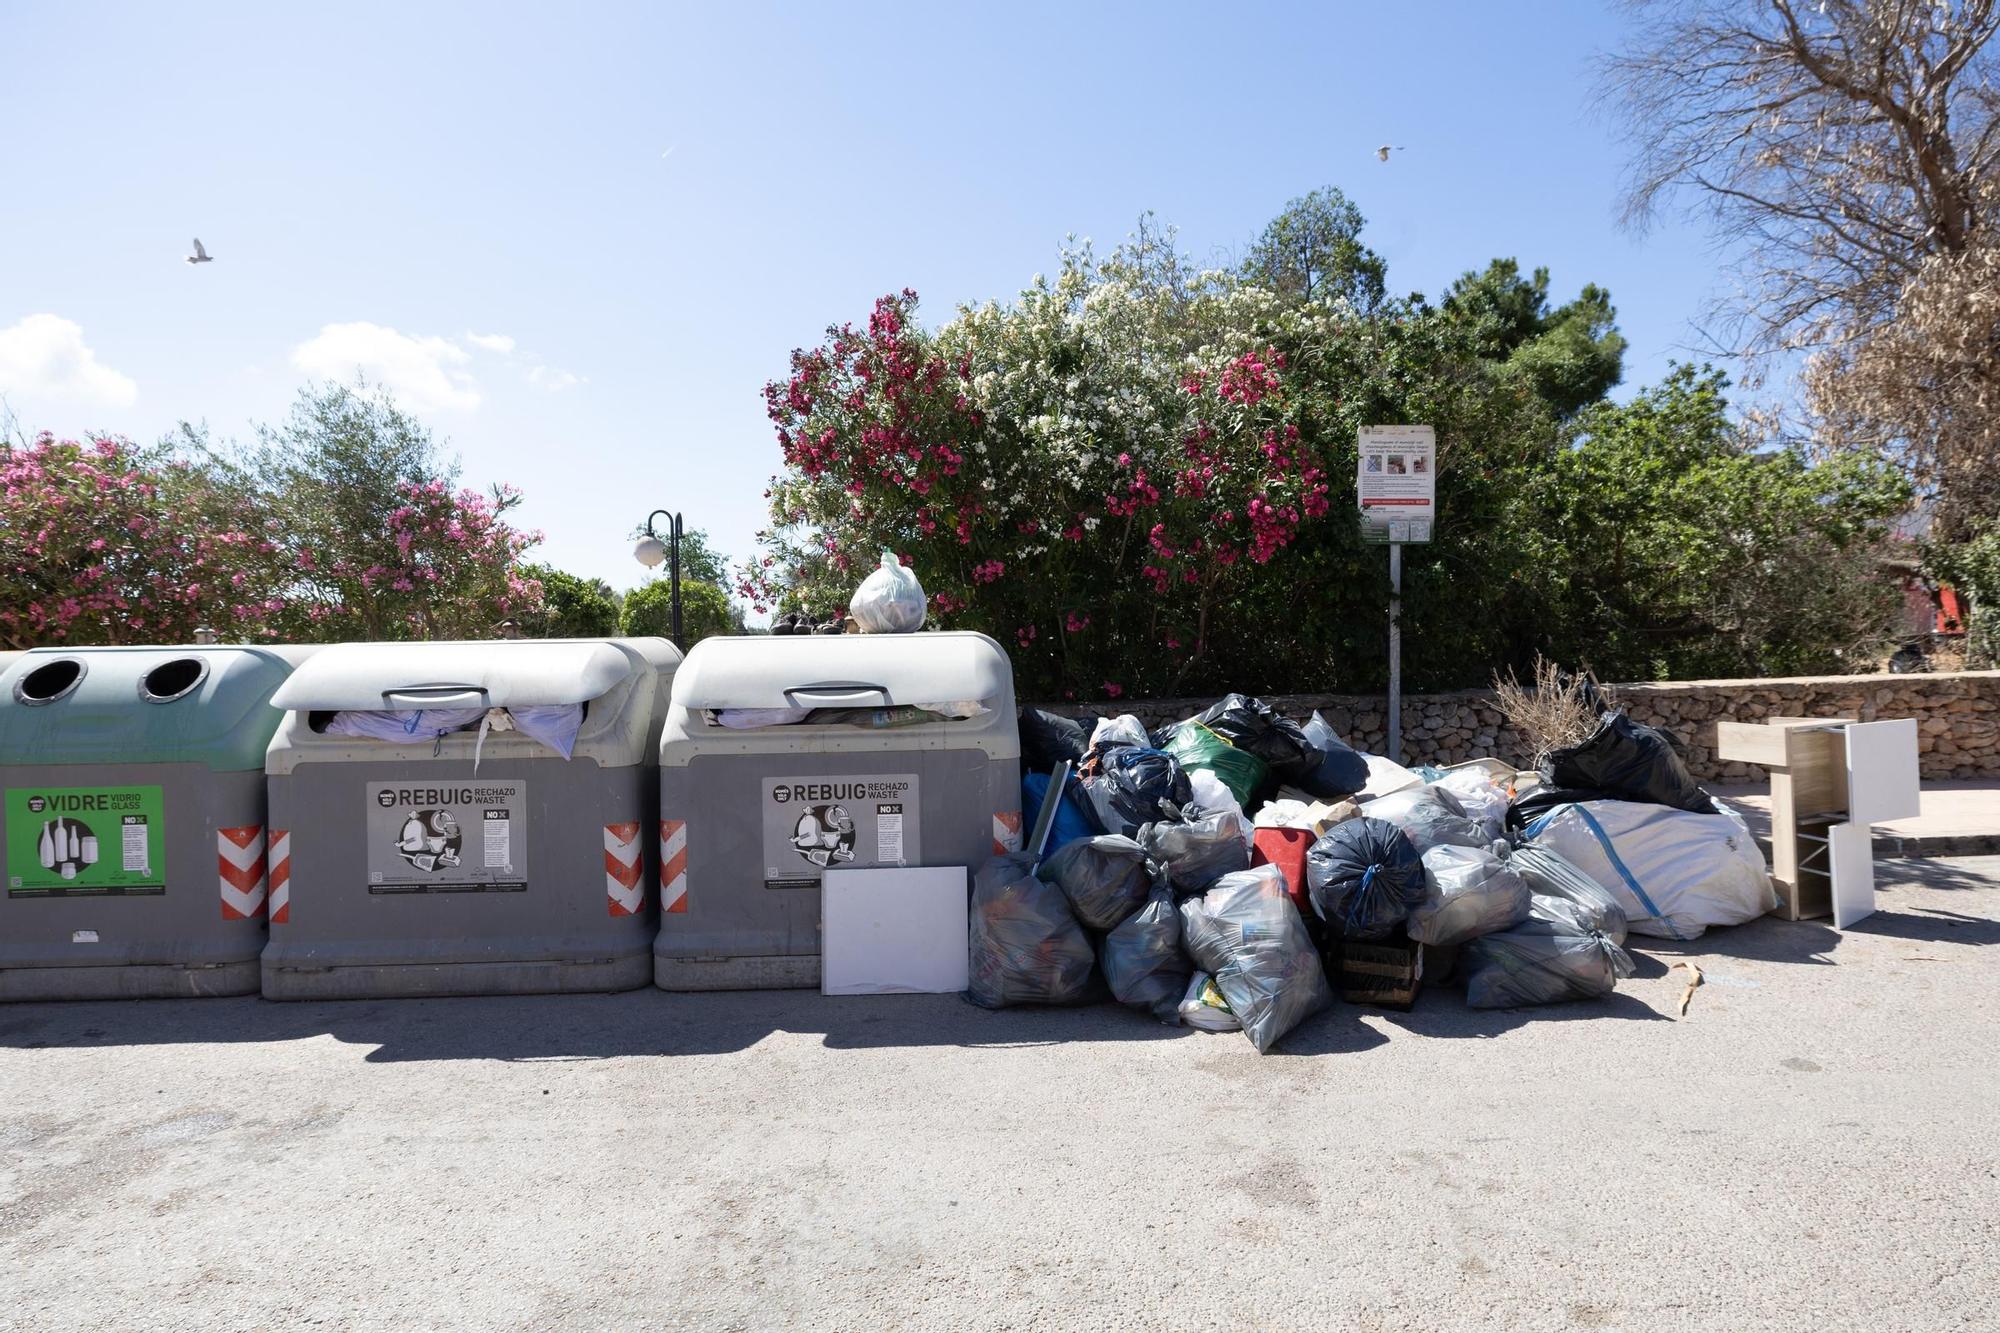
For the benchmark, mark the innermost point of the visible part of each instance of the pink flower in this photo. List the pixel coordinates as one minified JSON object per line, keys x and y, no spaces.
{"x":1112,"y":689}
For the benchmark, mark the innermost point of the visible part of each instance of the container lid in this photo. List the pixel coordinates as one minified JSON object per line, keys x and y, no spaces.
{"x":207,"y":704}
{"x":491,"y":674}
{"x":842,"y":671}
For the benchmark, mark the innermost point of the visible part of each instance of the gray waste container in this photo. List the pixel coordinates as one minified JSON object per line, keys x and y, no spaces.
{"x":397,"y":869}
{"x":750,"y":816}
{"x":133,"y":819}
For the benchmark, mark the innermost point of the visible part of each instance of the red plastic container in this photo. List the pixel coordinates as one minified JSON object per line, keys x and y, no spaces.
{"x":1286,"y":849}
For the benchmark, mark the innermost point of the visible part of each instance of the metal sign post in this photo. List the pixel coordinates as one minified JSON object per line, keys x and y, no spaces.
{"x":1395,"y":745}
{"x":1395,"y":485}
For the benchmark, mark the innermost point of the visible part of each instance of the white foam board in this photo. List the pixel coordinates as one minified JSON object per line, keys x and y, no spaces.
{"x":1882,"y":771}
{"x":894,"y":930}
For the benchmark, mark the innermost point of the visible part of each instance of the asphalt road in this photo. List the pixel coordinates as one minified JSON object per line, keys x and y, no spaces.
{"x":1812,"y":1147}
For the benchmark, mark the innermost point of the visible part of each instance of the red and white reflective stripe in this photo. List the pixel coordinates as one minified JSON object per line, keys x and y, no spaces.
{"x":239,"y":859}
{"x":1006,"y":832}
{"x":624,"y":869}
{"x":281,"y":875}
{"x":673,"y":865}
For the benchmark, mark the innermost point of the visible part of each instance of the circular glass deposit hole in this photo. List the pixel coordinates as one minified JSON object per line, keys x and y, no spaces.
{"x":170,"y":680}
{"x":49,"y":682}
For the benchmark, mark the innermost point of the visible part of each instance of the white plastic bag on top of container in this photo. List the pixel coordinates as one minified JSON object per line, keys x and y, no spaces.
{"x":1675,"y":873}
{"x":890,"y":600}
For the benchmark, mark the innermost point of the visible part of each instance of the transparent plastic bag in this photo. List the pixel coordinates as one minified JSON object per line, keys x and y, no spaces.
{"x":1551,"y":957}
{"x":1246,"y":932}
{"x":1430,"y":817}
{"x":1026,"y":947}
{"x":1483,"y":800}
{"x":1548,"y":872}
{"x":1104,"y":878}
{"x":1196,"y":853}
{"x":1469,"y":893}
{"x":1142,"y":958}
{"x":890,"y":600}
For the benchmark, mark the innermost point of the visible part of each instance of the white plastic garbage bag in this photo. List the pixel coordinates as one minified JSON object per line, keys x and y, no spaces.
{"x":1203,"y":1006}
{"x":554,"y":725}
{"x":403,"y":725}
{"x":1124,"y":729}
{"x":1674,"y":872}
{"x":890,"y":600}
{"x":1212,"y":794}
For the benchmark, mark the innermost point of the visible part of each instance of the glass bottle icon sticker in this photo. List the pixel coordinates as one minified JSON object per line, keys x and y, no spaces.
{"x":47,"y":849}
{"x":75,"y":842}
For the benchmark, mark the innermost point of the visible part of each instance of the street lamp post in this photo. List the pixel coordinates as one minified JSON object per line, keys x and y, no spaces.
{"x":650,"y":551}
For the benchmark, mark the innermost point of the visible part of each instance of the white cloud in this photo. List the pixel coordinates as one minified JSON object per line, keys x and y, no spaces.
{"x":551,"y":379}
{"x":423,"y":373}
{"x":492,"y":342}
{"x":44,"y":356}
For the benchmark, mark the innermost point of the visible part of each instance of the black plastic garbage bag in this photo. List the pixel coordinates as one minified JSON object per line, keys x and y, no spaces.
{"x":1552,"y":956}
{"x":1246,"y":932}
{"x":1342,"y":769}
{"x":1253,"y":725}
{"x":1105,"y":878}
{"x":1195,"y":854}
{"x":1364,"y":877}
{"x":1026,"y":947}
{"x":1143,"y":960}
{"x":1133,"y":786}
{"x":1554,"y":875}
{"x":1525,"y":810}
{"x":1629,"y":762}
{"x":1048,"y":739}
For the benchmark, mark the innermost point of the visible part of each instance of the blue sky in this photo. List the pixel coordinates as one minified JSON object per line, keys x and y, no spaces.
{"x":577,"y":240}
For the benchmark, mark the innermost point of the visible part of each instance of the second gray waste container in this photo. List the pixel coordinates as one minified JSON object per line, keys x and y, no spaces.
{"x":462,"y":863}
{"x":133,"y":820}
{"x":772,"y":769}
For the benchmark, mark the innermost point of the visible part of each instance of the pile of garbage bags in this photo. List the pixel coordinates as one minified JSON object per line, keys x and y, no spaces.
{"x":1220,"y":871}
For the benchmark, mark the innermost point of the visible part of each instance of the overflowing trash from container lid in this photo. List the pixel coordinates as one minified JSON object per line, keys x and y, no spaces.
{"x":1234,"y":870}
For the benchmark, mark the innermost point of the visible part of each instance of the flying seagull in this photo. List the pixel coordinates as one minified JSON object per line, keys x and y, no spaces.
{"x":200,"y":256}
{"x":1383,"y":152}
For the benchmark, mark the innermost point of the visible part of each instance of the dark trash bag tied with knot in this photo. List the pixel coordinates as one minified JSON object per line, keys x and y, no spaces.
{"x":1026,"y":947}
{"x":1105,"y":878}
{"x":1132,"y":787}
{"x":1628,"y":762}
{"x":1365,"y":877}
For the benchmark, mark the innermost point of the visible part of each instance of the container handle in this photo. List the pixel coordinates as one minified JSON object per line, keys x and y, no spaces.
{"x":433,"y":695}
{"x":837,"y":692}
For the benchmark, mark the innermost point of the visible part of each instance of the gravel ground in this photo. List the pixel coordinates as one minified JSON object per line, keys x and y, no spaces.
{"x":1813,"y":1146}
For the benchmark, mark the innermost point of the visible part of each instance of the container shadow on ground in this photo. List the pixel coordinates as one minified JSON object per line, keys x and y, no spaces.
{"x":654,"y":1023}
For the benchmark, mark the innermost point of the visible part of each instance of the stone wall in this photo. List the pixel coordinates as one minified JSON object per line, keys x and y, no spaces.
{"x":1958,"y":715}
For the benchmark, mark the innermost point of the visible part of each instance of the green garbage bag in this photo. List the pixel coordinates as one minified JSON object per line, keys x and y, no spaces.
{"x":1195,"y":746}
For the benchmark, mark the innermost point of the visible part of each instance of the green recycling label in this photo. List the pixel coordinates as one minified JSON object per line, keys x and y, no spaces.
{"x":83,"y":841}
